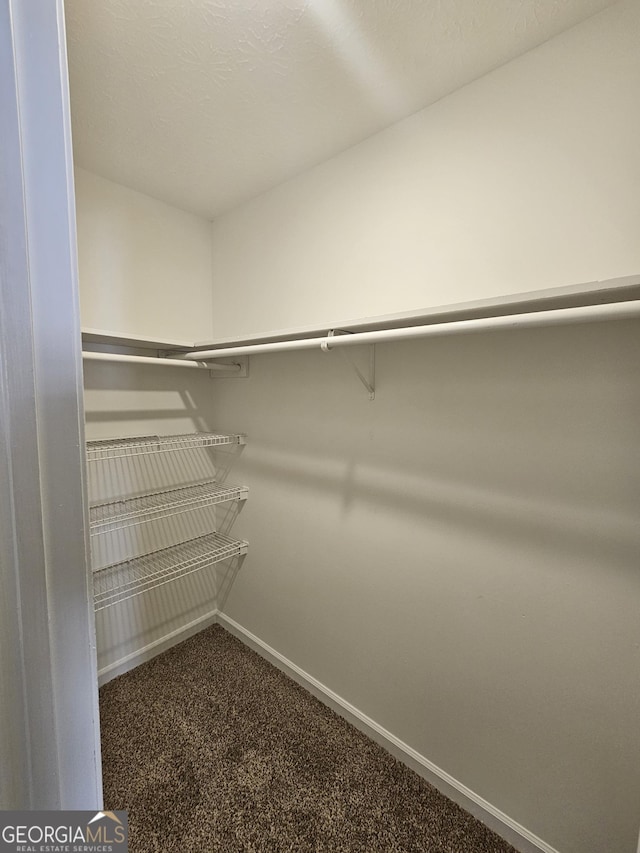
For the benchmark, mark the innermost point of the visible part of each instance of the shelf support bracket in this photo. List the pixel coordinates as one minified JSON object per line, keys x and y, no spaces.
{"x":369,"y":380}
{"x":235,"y":368}
{"x":228,"y":368}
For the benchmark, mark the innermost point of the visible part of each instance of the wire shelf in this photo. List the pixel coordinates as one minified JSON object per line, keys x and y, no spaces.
{"x":125,"y":580}
{"x":117,"y":515}
{"x":124,"y":448}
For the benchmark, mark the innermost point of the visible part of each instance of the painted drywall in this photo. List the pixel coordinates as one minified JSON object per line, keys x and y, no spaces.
{"x":145,"y":267}
{"x":459,"y":558}
{"x":237,"y":98}
{"x":526,"y":179}
{"x":125,"y":400}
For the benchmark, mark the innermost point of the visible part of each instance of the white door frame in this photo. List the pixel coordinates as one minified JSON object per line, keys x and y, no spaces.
{"x":49,"y":724}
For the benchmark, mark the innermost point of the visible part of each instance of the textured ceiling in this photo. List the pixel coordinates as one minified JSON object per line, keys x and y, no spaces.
{"x":205,"y":103}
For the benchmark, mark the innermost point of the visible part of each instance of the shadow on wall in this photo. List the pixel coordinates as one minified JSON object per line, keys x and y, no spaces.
{"x":464,"y":507}
{"x":227,"y":573}
{"x":124,"y":400}
{"x":124,"y":628}
{"x":519,"y":437}
{"x":129,"y":400}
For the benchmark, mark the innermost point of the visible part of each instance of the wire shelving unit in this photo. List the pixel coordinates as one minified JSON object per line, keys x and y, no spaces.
{"x":128,"y":512}
{"x":120,"y":579}
{"x":129,"y":578}
{"x":123,"y":448}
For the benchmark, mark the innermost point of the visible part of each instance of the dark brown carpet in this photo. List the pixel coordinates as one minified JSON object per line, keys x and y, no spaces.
{"x":211,"y":748}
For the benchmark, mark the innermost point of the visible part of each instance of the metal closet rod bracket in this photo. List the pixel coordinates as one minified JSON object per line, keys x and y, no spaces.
{"x":230,"y":368}
{"x":368,"y":382}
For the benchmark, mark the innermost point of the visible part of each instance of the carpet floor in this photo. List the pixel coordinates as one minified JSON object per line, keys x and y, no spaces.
{"x":211,"y":748}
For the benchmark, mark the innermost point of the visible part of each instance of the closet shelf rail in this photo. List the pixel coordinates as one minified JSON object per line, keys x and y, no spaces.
{"x":116,"y":515}
{"x":123,"y":358}
{"x":125,"y":580}
{"x":551,"y":317}
{"x":124,"y":448}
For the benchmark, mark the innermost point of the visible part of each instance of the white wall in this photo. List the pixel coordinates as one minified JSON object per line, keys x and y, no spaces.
{"x":145,"y":267}
{"x":528,"y":178}
{"x":459,"y":558}
{"x":123,"y":400}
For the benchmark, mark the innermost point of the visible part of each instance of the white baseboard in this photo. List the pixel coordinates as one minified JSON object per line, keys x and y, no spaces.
{"x":492,"y":817}
{"x":151,"y":650}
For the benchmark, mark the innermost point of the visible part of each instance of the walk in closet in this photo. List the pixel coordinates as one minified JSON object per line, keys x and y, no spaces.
{"x":359,"y":289}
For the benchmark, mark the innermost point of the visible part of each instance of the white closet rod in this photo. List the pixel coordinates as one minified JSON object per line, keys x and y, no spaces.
{"x":145,"y":359}
{"x":554,"y":317}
